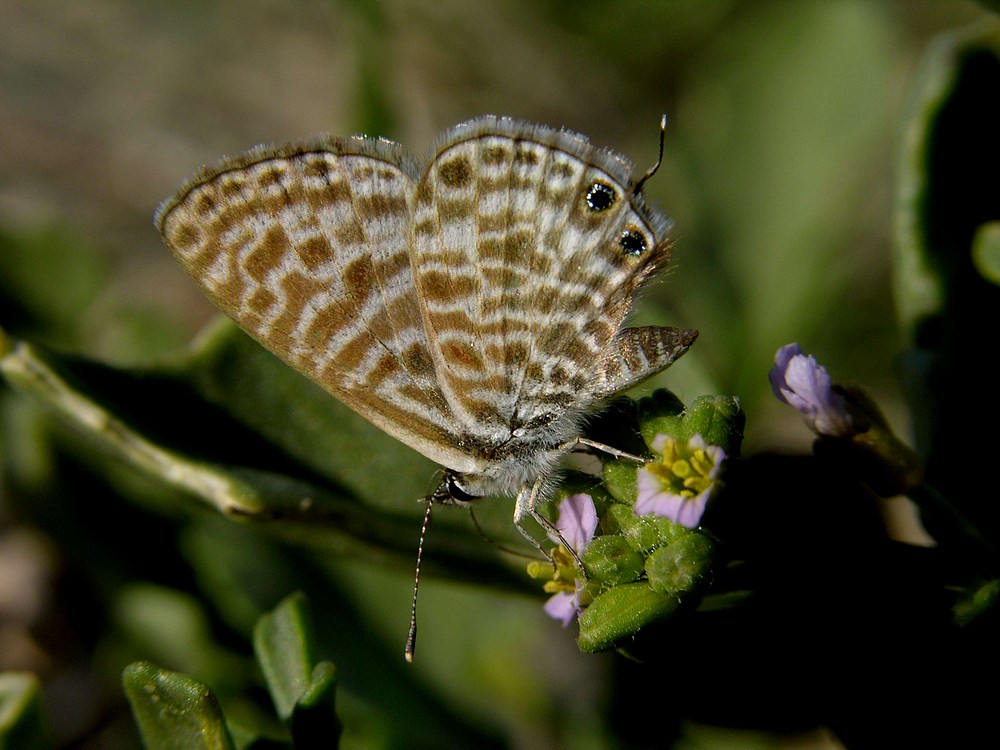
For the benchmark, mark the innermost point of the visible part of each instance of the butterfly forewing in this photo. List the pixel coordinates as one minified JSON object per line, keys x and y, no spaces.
{"x":306,"y":248}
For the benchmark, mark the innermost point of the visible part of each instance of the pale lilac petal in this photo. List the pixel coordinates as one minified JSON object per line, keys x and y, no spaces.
{"x":577,"y":521}
{"x":686,"y":511}
{"x":653,"y":498}
{"x":692,"y":509}
{"x":804,"y":384}
{"x":659,"y":442}
{"x":777,"y":373}
{"x":809,"y":381}
{"x":661,"y":505}
{"x":649,"y":489}
{"x":562,"y":606}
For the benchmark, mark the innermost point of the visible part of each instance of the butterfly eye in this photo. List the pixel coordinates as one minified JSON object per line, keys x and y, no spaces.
{"x":457,"y":493}
{"x":600,"y":197}
{"x":632,"y":242}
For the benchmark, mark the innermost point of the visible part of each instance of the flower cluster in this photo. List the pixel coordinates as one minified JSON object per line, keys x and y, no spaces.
{"x":630,"y":548}
{"x":628,"y":551}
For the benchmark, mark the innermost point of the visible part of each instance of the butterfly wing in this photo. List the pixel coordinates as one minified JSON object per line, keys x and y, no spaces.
{"x":639,"y":353}
{"x":306,"y":248}
{"x":528,"y":250}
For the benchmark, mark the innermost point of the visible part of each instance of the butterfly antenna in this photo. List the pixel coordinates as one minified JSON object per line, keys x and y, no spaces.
{"x":411,"y":636}
{"x":659,"y":160}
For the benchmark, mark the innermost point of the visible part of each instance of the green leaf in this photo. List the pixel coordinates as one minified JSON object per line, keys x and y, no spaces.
{"x":986,"y":251}
{"x":230,"y":371}
{"x":948,"y":169}
{"x":22,"y":725}
{"x":174,"y":711}
{"x":171,"y":626}
{"x":60,"y":384}
{"x":946,"y":211}
{"x":976,"y":601}
{"x":233,"y":427}
{"x":303,"y":691}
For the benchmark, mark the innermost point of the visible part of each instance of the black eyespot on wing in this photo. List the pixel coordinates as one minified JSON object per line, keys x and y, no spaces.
{"x":632,"y":242}
{"x":600,"y":197}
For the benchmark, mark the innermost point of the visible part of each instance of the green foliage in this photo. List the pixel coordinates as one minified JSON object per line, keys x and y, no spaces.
{"x":22,"y":720}
{"x":947,"y":208}
{"x":174,"y":711}
{"x":302,"y":688}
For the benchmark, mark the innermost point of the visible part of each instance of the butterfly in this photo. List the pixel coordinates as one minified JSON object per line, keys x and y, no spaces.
{"x":471,"y":305}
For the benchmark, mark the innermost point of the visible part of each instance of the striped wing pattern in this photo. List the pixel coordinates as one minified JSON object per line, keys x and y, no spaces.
{"x":306,"y":249}
{"x":524,"y":284}
{"x":452,"y":305}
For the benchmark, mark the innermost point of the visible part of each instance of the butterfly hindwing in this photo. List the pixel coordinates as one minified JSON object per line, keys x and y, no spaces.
{"x":521,"y":269}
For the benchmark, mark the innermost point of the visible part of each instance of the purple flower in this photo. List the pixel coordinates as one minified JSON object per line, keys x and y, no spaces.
{"x":799,"y":381}
{"x":577,"y":523}
{"x":563,"y":606}
{"x":679,"y":485}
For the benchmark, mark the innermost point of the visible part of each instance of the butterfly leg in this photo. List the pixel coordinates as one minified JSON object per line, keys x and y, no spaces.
{"x":575,"y":443}
{"x":527,"y":499}
{"x":526,"y":505}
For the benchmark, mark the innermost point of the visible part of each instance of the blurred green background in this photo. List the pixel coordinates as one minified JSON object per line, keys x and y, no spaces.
{"x":783,"y":134}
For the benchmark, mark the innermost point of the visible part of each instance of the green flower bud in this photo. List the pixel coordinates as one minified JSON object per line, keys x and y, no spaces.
{"x":621,"y":612}
{"x":643,"y":533}
{"x":660,"y":412}
{"x":681,"y":566}
{"x":619,"y":479}
{"x":718,"y":419}
{"x":611,"y":561}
